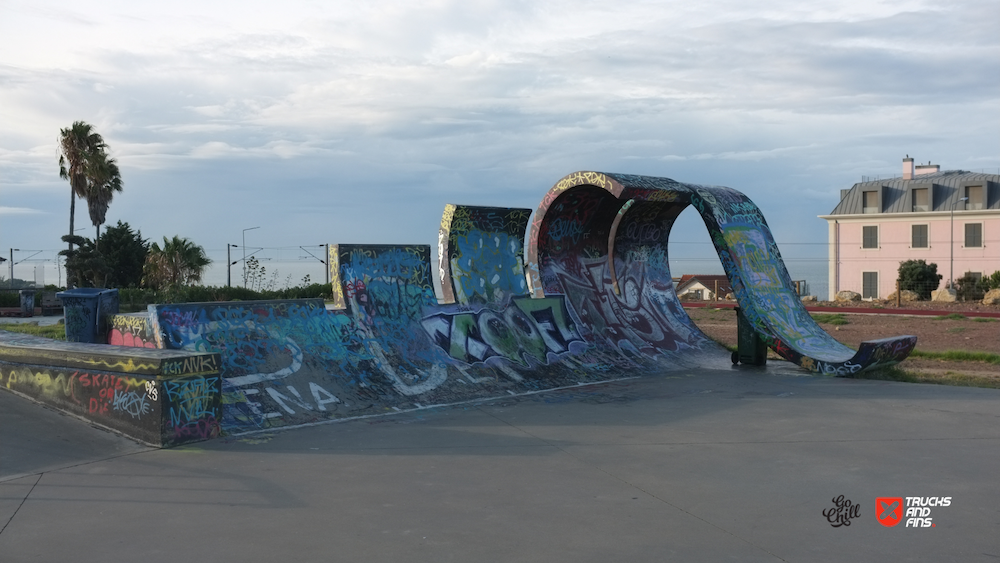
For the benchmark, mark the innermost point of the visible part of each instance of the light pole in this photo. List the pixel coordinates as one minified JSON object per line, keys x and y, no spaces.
{"x":245,"y":254}
{"x":951,"y":271}
{"x":12,"y":250}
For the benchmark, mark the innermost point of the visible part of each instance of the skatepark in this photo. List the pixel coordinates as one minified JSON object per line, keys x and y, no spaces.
{"x":553,"y":403}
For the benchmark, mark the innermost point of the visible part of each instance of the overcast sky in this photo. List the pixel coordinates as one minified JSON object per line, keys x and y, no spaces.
{"x":327,"y":122}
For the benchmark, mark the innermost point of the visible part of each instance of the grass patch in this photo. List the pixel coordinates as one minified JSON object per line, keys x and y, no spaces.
{"x":951,"y":317}
{"x":957,"y":329}
{"x":983,"y":320}
{"x":958,"y":356}
{"x":895,"y":373}
{"x":55,"y":332}
{"x":830,"y":318}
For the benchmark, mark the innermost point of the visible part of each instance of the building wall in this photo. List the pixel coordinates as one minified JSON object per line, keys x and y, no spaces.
{"x":894,"y":247}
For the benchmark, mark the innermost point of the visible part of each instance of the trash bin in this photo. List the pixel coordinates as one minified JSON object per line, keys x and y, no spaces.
{"x":750,"y":347}
{"x":86,"y":312}
{"x":27,"y":302}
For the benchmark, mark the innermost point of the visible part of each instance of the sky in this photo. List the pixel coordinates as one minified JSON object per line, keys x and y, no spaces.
{"x":349,"y":122}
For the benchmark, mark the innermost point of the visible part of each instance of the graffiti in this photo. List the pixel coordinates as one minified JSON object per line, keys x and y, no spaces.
{"x":151,"y":391}
{"x":561,"y":228}
{"x":204,"y":363}
{"x":481,"y":253}
{"x":526,"y":328}
{"x":132,"y":403}
{"x":191,"y":406}
{"x":321,"y":397}
{"x":488,"y":266}
{"x":133,"y":331}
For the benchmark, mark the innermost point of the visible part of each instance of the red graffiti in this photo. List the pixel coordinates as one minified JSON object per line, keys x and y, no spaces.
{"x":118,"y":338}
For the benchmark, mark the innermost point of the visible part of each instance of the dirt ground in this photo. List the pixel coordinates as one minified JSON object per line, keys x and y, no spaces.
{"x":932,"y":335}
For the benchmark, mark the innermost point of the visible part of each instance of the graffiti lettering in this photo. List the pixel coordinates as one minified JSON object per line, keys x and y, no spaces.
{"x":132,"y":403}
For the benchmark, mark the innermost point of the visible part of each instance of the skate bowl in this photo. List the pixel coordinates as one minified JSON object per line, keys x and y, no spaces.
{"x":578,"y":292}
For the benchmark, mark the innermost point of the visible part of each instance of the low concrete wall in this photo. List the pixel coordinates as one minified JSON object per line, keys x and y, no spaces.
{"x":160,"y":397}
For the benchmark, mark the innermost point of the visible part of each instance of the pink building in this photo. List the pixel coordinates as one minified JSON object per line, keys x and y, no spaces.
{"x":950,"y":218}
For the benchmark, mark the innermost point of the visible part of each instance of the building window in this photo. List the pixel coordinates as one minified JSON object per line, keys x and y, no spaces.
{"x":921,"y":199}
{"x":869,"y":237}
{"x":918,"y":236}
{"x":975,"y":197}
{"x":975,"y":276}
{"x":869,"y":285}
{"x":973,"y":235}
{"x":871,"y":202}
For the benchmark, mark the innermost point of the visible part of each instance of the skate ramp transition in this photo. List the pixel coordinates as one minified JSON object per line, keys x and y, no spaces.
{"x":591,"y":300}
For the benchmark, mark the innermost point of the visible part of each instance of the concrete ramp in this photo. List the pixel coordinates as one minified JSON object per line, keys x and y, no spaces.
{"x":591,"y":299}
{"x":616,"y":226}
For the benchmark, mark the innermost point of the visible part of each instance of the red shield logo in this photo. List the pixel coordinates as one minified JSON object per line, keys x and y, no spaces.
{"x":889,"y":510}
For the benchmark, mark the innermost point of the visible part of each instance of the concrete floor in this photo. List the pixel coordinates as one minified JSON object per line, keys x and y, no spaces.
{"x":734,"y":465}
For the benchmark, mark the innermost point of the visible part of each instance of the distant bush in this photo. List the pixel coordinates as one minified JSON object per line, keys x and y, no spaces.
{"x":971,"y":288}
{"x":136,"y":299}
{"x":919,"y":276}
{"x":993,"y":281}
{"x":10,"y":299}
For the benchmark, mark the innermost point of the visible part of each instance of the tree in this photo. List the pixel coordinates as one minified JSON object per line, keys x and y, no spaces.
{"x":178,"y":262}
{"x":105,"y":182}
{"x":84,"y":264}
{"x":91,"y":173}
{"x":919,"y":276}
{"x":125,"y":253}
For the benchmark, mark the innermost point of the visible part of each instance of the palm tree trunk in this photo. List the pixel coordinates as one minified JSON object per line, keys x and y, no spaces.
{"x":72,"y":212}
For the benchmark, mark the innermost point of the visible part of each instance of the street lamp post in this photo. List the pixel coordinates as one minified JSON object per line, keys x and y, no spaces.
{"x":951,"y":270}
{"x":245,"y":254}
{"x":12,"y":265}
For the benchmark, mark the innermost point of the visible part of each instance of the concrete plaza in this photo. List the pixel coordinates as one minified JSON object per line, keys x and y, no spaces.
{"x":698,"y":465}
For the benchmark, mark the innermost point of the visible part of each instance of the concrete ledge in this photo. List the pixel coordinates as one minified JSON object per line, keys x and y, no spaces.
{"x":158,"y":397}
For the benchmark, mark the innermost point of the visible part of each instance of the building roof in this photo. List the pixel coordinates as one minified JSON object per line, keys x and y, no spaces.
{"x":896,"y":193}
{"x":706,"y":280}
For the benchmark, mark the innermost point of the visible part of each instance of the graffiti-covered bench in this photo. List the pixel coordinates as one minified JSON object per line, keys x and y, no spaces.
{"x":160,"y":397}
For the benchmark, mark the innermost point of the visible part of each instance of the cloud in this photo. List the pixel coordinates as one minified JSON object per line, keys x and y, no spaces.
{"x":19,"y":211}
{"x":358,"y":121}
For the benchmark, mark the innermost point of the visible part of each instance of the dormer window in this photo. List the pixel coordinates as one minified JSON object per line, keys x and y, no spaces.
{"x":921,"y":200}
{"x":871,"y":202}
{"x":974,"y":195}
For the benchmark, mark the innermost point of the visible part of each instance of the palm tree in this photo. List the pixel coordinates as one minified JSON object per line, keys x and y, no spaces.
{"x":179,"y":262}
{"x":81,"y":148}
{"x":105,"y":181}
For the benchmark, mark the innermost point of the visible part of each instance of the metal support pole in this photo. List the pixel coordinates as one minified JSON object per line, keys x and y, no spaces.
{"x":951,"y":269}
{"x":229,"y":267}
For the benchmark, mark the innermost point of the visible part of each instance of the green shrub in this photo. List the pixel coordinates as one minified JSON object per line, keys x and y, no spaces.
{"x":969,"y":288}
{"x":919,"y":276}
